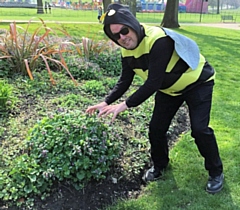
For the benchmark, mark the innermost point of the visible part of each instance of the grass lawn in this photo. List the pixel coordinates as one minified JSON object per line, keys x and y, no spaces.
{"x":184,"y":182}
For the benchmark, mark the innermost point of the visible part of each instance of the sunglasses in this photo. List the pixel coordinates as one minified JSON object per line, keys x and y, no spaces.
{"x":123,"y":31}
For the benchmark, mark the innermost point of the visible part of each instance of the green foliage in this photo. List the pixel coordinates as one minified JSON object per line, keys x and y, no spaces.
{"x":66,"y":146}
{"x":93,"y":59}
{"x":73,"y":146}
{"x":7,"y":99}
{"x":134,"y":159}
{"x":83,"y":70}
{"x":41,"y":84}
{"x":109,"y":59}
{"x":95,"y":87}
{"x":22,"y":178}
{"x":5,"y":68}
{"x":109,"y":82}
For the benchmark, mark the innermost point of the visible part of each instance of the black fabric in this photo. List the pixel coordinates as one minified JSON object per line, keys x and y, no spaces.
{"x":156,"y":63}
{"x":199,"y":101}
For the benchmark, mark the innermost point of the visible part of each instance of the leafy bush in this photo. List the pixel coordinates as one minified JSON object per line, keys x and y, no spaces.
{"x":95,"y":55}
{"x":81,"y":69}
{"x":68,"y":146}
{"x":110,"y":82}
{"x":40,"y":85}
{"x":5,"y":68}
{"x":110,"y":63}
{"x":95,"y":87}
{"x":74,"y":146}
{"x":6,"y":96}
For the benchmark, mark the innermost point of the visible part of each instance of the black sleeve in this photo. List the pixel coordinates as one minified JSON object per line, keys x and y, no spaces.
{"x":123,"y":83}
{"x":159,"y":58}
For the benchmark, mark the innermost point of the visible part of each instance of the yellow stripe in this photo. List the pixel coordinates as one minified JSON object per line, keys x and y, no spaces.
{"x":187,"y":78}
{"x":146,"y":44}
{"x":174,"y":59}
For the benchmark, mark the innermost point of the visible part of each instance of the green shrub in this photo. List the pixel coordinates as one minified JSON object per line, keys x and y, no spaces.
{"x":95,"y":88}
{"x":73,"y":146}
{"x":109,"y":62}
{"x":110,"y":82}
{"x":7,"y":100}
{"x":5,"y":68}
{"x":21,"y":178}
{"x":82,"y":69}
{"x":67,"y":146}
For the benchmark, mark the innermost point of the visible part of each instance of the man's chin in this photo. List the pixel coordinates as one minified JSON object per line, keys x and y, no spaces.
{"x":129,"y":47}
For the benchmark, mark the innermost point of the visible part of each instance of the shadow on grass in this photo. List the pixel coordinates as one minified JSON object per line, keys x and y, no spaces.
{"x":171,"y":194}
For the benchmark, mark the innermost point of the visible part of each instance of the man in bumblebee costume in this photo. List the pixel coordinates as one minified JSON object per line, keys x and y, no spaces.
{"x":174,"y":70}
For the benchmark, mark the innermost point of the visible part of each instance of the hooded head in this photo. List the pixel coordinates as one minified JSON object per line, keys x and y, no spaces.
{"x":118,"y":14}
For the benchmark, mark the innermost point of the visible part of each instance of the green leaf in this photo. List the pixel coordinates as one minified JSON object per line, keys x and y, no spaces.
{"x":27,"y":189}
{"x":80,"y":175}
{"x":32,"y":177}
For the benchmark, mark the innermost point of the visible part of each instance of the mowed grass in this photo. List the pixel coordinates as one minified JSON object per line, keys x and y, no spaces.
{"x":183,"y":185}
{"x":73,"y":16}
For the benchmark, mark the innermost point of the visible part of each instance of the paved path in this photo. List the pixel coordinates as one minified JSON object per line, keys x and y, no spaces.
{"x":235,"y":26}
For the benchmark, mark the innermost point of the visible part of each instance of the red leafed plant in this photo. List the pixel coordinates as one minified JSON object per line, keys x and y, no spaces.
{"x":25,"y":52}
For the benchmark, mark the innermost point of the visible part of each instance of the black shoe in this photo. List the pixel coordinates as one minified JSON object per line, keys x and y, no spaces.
{"x":215,"y":184}
{"x":152,"y":174}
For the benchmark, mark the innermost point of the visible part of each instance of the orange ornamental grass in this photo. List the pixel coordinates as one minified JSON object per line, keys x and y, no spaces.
{"x":25,"y":52}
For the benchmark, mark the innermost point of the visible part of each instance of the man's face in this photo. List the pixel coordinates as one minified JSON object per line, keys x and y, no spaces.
{"x":124,"y":35}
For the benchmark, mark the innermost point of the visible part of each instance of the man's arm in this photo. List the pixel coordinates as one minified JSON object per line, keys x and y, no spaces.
{"x":159,"y":58}
{"x":123,"y":83}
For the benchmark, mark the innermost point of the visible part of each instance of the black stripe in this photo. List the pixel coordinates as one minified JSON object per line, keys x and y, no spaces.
{"x":138,"y":63}
{"x":173,"y":76}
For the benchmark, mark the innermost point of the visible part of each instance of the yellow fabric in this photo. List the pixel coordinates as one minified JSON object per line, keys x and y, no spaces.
{"x":187,"y":78}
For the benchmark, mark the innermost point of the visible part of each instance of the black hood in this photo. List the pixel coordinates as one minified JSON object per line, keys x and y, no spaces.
{"x":119,"y":14}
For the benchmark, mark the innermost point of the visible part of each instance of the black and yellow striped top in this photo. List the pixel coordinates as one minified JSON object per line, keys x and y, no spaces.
{"x":156,"y":61}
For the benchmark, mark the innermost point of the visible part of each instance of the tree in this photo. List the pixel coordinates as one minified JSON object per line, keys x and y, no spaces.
{"x":105,"y":4}
{"x":170,"y":18}
{"x":131,"y":3}
{"x":218,"y":6}
{"x":40,"y":7}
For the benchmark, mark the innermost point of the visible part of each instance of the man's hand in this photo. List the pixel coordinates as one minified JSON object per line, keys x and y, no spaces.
{"x":115,"y":109}
{"x":92,"y":109}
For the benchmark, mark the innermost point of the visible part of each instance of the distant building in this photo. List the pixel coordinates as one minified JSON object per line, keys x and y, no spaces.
{"x":196,"y":6}
{"x":18,"y":3}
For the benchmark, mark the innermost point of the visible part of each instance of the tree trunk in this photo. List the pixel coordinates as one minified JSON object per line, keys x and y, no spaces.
{"x":105,"y":4}
{"x":132,"y":6}
{"x":170,"y":18}
{"x":40,"y":7}
{"x":131,"y":3}
{"x":218,"y":6}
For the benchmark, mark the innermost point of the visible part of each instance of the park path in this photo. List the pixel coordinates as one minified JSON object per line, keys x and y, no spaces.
{"x":235,"y":26}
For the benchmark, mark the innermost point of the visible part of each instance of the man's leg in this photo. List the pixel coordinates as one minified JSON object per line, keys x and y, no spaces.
{"x":199,"y":102}
{"x":164,"y":110}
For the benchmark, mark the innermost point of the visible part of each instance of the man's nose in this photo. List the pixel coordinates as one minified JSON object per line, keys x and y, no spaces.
{"x":122,"y":36}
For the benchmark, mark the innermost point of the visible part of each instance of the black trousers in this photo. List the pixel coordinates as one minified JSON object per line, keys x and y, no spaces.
{"x":198,"y":100}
